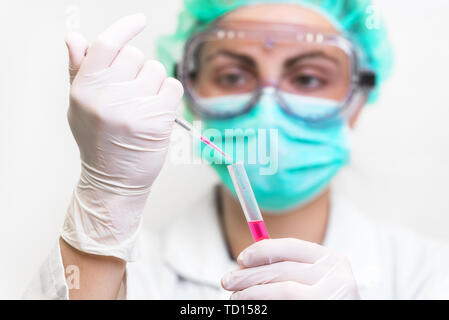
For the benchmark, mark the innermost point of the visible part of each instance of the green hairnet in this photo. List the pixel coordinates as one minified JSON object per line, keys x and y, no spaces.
{"x":357,"y":18}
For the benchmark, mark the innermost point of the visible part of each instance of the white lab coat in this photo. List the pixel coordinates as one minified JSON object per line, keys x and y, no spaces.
{"x":188,"y":259}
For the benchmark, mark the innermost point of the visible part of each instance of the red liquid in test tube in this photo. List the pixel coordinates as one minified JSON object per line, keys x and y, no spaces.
{"x":258,"y":230}
{"x":248,"y":201}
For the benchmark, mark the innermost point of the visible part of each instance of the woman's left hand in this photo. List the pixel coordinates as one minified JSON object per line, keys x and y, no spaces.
{"x":290,"y":269}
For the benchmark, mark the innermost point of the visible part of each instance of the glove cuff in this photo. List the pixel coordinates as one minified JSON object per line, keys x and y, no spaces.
{"x":101,"y":223}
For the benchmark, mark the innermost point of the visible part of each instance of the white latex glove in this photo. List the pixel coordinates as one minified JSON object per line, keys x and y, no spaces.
{"x":122,"y":110}
{"x":276,"y":269}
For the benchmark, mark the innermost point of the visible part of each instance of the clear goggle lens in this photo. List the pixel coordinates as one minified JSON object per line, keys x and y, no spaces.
{"x":226,"y":75}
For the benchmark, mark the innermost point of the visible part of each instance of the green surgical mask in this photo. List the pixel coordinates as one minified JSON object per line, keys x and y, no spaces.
{"x":288,"y":162}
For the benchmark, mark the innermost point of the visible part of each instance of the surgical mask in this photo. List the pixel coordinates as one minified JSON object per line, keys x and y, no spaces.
{"x":294,"y":161}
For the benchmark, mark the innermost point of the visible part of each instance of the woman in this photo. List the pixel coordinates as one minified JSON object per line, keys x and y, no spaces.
{"x":303,"y":68}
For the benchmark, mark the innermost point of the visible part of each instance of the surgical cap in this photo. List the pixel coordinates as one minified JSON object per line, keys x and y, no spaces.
{"x":357,"y":19}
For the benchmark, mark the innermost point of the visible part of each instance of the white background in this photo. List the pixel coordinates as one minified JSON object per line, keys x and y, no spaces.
{"x":400,"y":164}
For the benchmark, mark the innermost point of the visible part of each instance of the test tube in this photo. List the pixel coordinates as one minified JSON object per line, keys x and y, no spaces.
{"x":248,"y":201}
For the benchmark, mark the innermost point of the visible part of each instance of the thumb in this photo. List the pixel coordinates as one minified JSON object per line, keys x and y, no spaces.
{"x":77,"y":46}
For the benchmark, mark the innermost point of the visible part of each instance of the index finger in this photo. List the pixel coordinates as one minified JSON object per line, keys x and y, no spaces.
{"x":108,"y":44}
{"x":276,"y":250}
{"x":77,"y":46}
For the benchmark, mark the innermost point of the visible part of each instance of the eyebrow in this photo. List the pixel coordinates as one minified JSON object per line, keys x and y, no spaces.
{"x":242,"y":57}
{"x":287,"y":64}
{"x":315,"y":54}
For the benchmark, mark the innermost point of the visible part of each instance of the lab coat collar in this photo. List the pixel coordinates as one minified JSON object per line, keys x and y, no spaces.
{"x":195,"y":248}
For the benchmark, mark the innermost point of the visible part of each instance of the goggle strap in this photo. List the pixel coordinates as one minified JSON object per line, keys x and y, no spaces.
{"x":367,"y":79}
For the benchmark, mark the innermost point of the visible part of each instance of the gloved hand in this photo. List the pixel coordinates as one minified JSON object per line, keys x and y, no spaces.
{"x":283,"y":269}
{"x":122,"y":110}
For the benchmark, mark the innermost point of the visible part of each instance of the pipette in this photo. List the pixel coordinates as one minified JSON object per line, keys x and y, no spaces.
{"x":241,"y":184}
{"x":248,"y":201}
{"x":183,"y":123}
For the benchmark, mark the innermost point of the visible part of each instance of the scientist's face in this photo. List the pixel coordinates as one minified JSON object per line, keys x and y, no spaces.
{"x":230,"y":68}
{"x":274,"y":70}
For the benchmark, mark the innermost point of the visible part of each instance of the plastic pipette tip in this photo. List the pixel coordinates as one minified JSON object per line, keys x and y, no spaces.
{"x":213,"y":146}
{"x":184,"y":124}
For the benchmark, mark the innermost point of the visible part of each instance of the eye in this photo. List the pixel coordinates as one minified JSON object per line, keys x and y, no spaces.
{"x":231,"y":79}
{"x":235,"y":79}
{"x":307,"y":82}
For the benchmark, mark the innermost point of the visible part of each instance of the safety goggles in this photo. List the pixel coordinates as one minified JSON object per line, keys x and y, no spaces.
{"x":313,"y":75}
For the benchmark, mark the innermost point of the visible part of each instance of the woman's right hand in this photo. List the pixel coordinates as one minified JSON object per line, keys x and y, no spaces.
{"x":122,"y":111}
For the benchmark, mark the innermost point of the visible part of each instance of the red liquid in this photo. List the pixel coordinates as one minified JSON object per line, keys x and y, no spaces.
{"x":258,"y":230}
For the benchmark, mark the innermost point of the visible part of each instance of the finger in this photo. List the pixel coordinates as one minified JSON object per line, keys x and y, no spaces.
{"x":171,"y":93}
{"x":276,"y":250}
{"x":287,"y":290}
{"x":338,"y":282}
{"x":151,"y":77}
{"x":108,"y":44}
{"x":127,"y":64}
{"x":304,"y":273}
{"x":77,"y":47}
